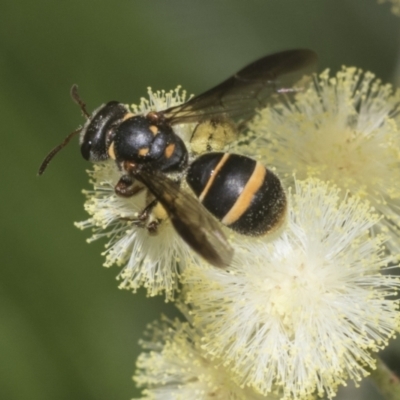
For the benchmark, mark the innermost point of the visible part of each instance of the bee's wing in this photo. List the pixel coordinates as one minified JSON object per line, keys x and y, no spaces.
{"x":192,"y":221}
{"x":252,"y":87}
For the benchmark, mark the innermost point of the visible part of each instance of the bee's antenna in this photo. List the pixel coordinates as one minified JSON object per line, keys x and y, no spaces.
{"x":79,"y":101}
{"x":82,"y":105}
{"x":56,"y":149}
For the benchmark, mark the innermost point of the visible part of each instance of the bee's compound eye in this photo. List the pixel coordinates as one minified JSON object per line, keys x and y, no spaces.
{"x":93,"y":145}
{"x":86,"y":146}
{"x":95,"y":134}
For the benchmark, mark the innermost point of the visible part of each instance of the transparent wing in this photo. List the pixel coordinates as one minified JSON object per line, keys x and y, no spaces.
{"x":252,"y":87}
{"x":192,"y":221}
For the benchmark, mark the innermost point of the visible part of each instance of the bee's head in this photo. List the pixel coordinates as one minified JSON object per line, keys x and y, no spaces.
{"x":99,"y":131}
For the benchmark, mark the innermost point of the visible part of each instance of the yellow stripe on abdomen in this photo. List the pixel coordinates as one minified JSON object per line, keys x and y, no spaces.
{"x":213,"y":176}
{"x":244,"y":200}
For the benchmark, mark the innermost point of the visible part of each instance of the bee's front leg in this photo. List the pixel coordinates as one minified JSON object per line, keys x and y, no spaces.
{"x":128,"y":186}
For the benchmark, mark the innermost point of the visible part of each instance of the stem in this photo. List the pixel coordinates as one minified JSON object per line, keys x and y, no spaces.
{"x":386,"y":381}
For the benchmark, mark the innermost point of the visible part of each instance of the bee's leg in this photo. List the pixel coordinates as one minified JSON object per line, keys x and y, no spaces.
{"x":144,"y":219}
{"x":152,"y":221}
{"x":144,"y":215}
{"x":147,"y":220}
{"x":127,"y":186}
{"x":152,"y":227}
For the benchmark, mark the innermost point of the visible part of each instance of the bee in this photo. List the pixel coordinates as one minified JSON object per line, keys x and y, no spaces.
{"x":236,"y":190}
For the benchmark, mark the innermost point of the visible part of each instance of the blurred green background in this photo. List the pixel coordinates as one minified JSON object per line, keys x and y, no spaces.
{"x":67,"y":332}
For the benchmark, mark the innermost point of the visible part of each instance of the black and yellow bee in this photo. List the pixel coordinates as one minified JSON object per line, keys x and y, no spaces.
{"x":237,"y":190}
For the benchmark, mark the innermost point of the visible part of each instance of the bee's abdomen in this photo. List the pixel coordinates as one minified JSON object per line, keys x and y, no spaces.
{"x":239,"y":191}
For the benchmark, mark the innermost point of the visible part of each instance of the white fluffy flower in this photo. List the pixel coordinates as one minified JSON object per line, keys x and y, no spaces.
{"x":303,"y":312}
{"x":173,"y":368}
{"x":341,"y":129}
{"x":152,"y":261}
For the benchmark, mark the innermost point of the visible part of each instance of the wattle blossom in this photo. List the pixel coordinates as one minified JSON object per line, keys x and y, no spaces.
{"x":172,"y":367}
{"x":306,"y":311}
{"x":298,"y":312}
{"x":341,"y":129}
